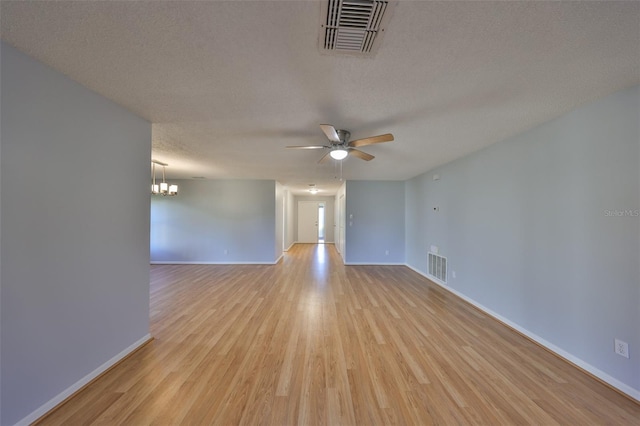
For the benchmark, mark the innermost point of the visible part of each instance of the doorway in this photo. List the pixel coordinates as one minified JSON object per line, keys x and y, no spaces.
{"x":311,"y":222}
{"x":342,"y":218}
{"x":321,"y":227}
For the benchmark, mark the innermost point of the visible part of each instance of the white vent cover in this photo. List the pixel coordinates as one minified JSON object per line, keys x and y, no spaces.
{"x":438,"y":267}
{"x":353,"y":26}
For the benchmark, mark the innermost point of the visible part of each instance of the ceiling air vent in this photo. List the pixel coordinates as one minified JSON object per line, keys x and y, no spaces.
{"x":354,"y":26}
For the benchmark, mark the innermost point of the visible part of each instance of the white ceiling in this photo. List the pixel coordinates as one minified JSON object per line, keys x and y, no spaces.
{"x":228,"y":84}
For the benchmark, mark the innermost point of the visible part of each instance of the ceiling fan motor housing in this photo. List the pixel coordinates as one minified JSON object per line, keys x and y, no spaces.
{"x":344,"y":136}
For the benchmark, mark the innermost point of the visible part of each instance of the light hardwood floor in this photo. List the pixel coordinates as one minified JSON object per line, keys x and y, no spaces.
{"x":310,"y":341}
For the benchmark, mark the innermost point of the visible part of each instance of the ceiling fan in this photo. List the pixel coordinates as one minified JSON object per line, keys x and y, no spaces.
{"x":340,"y":145}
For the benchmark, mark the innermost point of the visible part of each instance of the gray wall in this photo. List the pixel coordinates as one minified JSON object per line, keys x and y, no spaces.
{"x":75,"y":232}
{"x":289,"y":228}
{"x":340,"y":216}
{"x":328,"y":214}
{"x":279,"y":225}
{"x":208,"y":217}
{"x":524,"y":224}
{"x":375,"y":221}
{"x":1,"y":381}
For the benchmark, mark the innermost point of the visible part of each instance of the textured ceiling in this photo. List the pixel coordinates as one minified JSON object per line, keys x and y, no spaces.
{"x":228,"y":84}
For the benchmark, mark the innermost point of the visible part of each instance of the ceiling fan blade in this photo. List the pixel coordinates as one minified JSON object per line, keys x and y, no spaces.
{"x":325,"y":157}
{"x":387,"y":137}
{"x":330,"y":132}
{"x":307,"y":147}
{"x":361,"y":154}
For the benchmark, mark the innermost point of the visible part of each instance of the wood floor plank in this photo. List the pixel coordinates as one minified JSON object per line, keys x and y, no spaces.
{"x":310,"y":341}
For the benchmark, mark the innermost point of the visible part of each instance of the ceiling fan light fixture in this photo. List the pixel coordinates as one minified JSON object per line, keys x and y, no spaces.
{"x":339,"y":153}
{"x":340,"y":146}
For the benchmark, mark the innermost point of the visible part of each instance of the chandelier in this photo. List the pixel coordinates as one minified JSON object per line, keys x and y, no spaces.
{"x":163,"y":188}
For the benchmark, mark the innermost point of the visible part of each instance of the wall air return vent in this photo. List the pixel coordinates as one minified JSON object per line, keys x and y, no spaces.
{"x":438,"y":267}
{"x":353,"y":26}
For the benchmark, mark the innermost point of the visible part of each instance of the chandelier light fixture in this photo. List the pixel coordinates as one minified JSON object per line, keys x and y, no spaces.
{"x":162,"y":188}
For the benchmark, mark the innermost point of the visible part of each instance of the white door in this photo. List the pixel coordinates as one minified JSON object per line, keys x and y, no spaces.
{"x":308,"y":222}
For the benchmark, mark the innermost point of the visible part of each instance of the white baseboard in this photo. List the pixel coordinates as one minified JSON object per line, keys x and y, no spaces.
{"x":203,"y":262}
{"x":52,"y":403}
{"x":278,"y":259}
{"x":374,"y":264}
{"x":289,"y":248}
{"x":622,"y":387}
